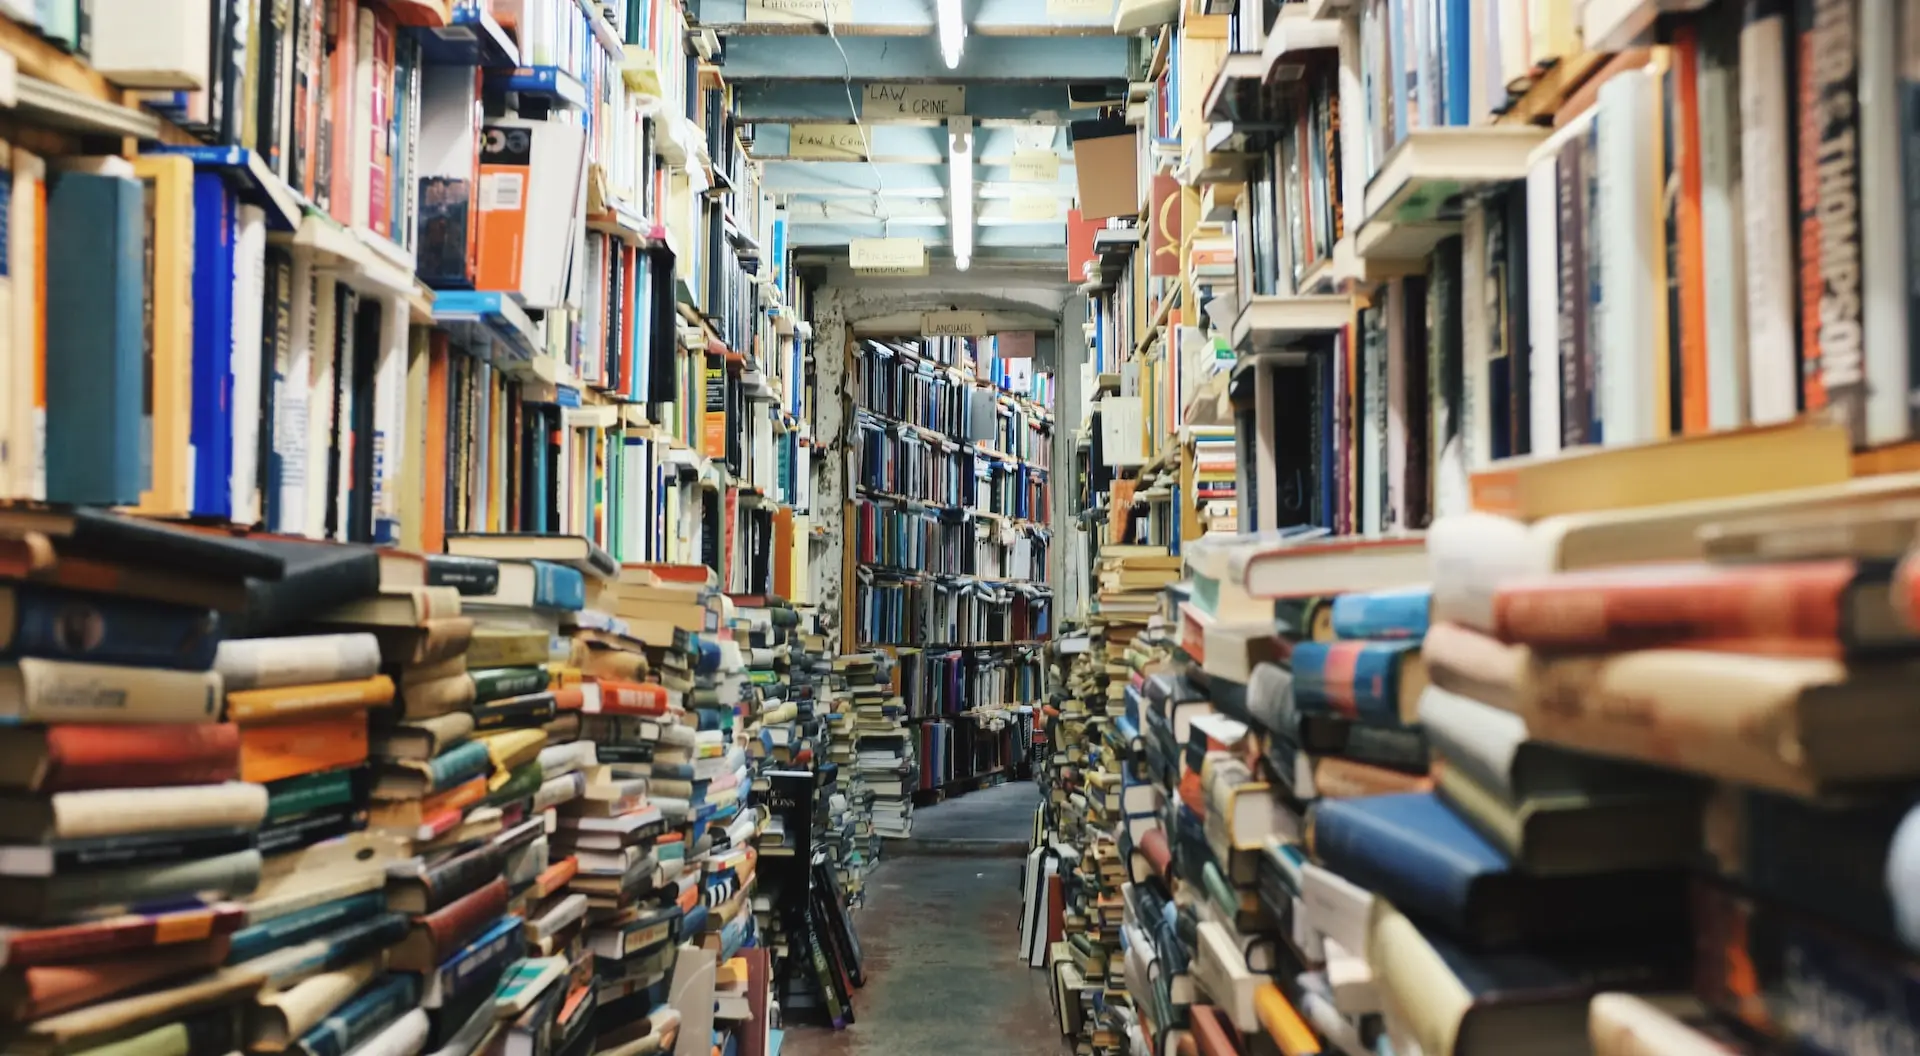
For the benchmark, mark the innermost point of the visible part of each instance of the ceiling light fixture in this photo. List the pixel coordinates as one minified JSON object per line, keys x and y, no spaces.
{"x":953,"y":32}
{"x":960,"y":188}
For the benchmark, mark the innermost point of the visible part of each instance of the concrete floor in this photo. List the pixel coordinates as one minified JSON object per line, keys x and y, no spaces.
{"x":997,"y":814}
{"x":939,"y":936}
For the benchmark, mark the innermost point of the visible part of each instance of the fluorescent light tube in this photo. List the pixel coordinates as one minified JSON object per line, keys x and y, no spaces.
{"x":953,"y":32}
{"x":960,"y":187}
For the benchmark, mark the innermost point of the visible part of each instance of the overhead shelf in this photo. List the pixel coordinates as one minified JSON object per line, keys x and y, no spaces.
{"x":45,"y":103}
{"x":1268,"y":323}
{"x":1295,"y":33}
{"x":361,"y":258}
{"x":493,"y":327}
{"x":473,"y":38}
{"x":251,"y":176}
{"x":550,"y":82}
{"x":1414,"y":201}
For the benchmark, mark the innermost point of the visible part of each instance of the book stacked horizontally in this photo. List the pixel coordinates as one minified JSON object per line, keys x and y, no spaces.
{"x":847,"y":674}
{"x":883,"y":746}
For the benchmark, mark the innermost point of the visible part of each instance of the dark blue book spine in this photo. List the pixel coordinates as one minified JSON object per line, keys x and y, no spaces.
{"x":498,"y":946}
{"x":281,"y":932}
{"x":211,"y":427}
{"x":65,"y":625}
{"x":1909,"y":74}
{"x":1409,"y":849}
{"x":99,"y":395}
{"x":1360,"y":680}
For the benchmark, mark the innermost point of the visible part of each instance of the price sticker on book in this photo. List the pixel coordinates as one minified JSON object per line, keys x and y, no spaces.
{"x":1036,"y":166}
{"x":805,"y":11}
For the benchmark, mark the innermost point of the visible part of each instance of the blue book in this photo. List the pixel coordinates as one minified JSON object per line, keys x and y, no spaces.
{"x":1456,"y":45}
{"x":100,"y":629}
{"x":483,"y":959}
{"x":460,"y":763}
{"x":99,"y":439}
{"x":379,"y":1004}
{"x":1394,"y":614}
{"x":1358,"y":680}
{"x":216,"y":226}
{"x":1411,"y":850}
{"x":298,"y":927}
{"x":558,"y":587}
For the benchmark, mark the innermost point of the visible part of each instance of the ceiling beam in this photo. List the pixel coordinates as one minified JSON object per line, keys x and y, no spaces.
{"x":859,"y":179}
{"x":801,"y":102}
{"x":911,"y":60}
{"x":993,"y":213}
{"x":918,"y":145}
{"x":909,"y":18}
{"x":1005,"y":235}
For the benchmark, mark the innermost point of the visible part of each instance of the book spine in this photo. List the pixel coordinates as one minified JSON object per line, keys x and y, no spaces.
{"x":149,"y":849}
{"x":483,"y":960}
{"x":362,"y":1017}
{"x":322,"y":791}
{"x":295,"y":928}
{"x":99,"y":426}
{"x":1359,"y":680}
{"x":535,"y":709}
{"x":83,"y":756}
{"x":458,"y":764}
{"x":1829,"y":169}
{"x":54,"y":691}
{"x":1770,"y":213}
{"x":1798,"y":603}
{"x":461,"y":875}
{"x":305,"y":830}
{"x":262,"y":704}
{"x":493,"y":684}
{"x":259,"y":663}
{"x":1391,"y":615}
{"x":454,"y":924}
{"x":235,"y":873}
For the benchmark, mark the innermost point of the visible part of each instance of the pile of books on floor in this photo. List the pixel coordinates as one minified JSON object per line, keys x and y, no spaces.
{"x":883,"y":745}
{"x":840,"y":716}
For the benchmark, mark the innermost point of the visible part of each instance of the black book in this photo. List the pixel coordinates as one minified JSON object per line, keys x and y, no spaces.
{"x":94,"y":533}
{"x":469,"y":575}
{"x":318,"y":576}
{"x":305,"y":830}
{"x":62,"y":857}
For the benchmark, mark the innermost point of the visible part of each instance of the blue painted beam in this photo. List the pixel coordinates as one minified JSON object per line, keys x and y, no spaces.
{"x":858,"y":178}
{"x":910,"y":18}
{"x":804,"y":235}
{"x":1052,"y":60}
{"x":811,"y":101}
{"x":896,"y":210}
{"x":917,"y":144}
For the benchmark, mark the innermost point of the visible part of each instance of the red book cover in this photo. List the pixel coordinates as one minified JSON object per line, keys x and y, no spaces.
{"x":437,"y":935}
{"x":1080,"y":236}
{"x":134,"y":931}
{"x":698,"y":574}
{"x":1677,"y":603}
{"x":628,"y":698}
{"x":104,"y":756}
{"x":49,"y":989}
{"x":380,"y":167}
{"x":343,"y":30}
{"x":556,"y":876}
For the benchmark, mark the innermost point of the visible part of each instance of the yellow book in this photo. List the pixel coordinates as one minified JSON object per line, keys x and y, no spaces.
{"x":509,"y":749}
{"x":168,"y":180}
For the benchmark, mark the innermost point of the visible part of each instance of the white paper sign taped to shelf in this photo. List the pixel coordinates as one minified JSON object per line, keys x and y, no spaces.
{"x":1034,"y":208}
{"x":931,"y":101}
{"x":954,"y":324}
{"x":827,"y":142}
{"x":806,"y":11}
{"x":1080,"y":8}
{"x":1036,"y":166}
{"x":872,"y":253}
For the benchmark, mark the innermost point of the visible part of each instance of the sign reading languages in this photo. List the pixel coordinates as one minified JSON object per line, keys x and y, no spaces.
{"x":954,"y":324}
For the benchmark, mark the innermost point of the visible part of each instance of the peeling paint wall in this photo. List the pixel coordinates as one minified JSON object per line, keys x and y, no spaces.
{"x":845,"y":304}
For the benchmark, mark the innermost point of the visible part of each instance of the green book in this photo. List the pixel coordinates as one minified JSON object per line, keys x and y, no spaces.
{"x":499,"y":683}
{"x":310,"y":792}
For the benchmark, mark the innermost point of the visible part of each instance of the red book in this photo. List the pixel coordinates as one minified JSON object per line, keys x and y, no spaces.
{"x":31,"y":992}
{"x":134,"y":931}
{"x":696,"y":574}
{"x":1841,"y":601}
{"x":628,"y":698}
{"x":65,"y":758}
{"x":438,"y":935}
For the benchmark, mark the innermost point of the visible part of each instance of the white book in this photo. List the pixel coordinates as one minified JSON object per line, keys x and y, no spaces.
{"x":390,"y":419}
{"x":1883,"y":243}
{"x":360,"y":135}
{"x":1476,"y":424}
{"x":249,"y":302}
{"x":1398,"y":407}
{"x":1724,"y":234}
{"x":348,"y":346}
{"x":152,"y":43}
{"x":1773,"y":362}
{"x":1632,"y":403}
{"x":325,"y":329}
{"x":292,"y":377}
{"x":405,"y":1036}
{"x":1543,"y":298}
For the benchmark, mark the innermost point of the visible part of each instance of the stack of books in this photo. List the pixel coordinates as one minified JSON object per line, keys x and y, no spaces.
{"x":841,"y":713}
{"x":883,"y":745}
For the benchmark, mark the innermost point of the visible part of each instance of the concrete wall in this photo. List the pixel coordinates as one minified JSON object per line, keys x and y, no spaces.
{"x":848,"y":304}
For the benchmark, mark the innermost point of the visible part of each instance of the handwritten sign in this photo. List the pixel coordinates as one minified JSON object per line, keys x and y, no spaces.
{"x":894,"y":273}
{"x":1032,"y":208}
{"x":930,"y":101}
{"x":1036,"y":166}
{"x":1079,"y":9}
{"x":829,"y":142}
{"x":954,"y":324}
{"x":866,"y":253}
{"x":803,"y":11}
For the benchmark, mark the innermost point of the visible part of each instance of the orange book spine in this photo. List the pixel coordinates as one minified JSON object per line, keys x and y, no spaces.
{"x":1676,"y":604}
{"x":1692,"y":324}
{"x":266,"y":705}
{"x":344,"y":31}
{"x":279,"y":750}
{"x":433,"y":514}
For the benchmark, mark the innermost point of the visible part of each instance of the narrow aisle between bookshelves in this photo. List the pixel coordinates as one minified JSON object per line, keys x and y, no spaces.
{"x":940,"y":974}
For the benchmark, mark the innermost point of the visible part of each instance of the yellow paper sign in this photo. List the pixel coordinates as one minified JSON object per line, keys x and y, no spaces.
{"x":865,"y":253}
{"x":1080,"y":9}
{"x":929,"y":101}
{"x":1036,"y":166}
{"x":830,"y":142}
{"x":954,"y":324}
{"x":1032,"y":208}
{"x":809,"y":11}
